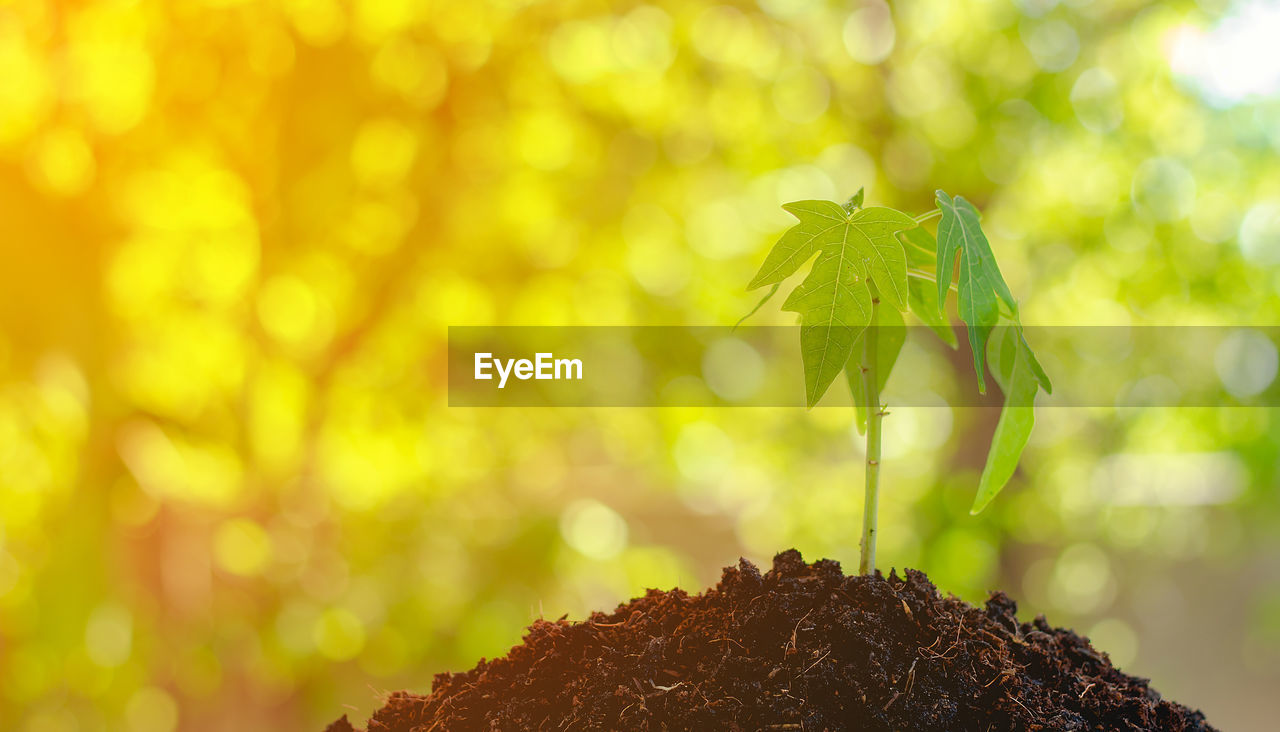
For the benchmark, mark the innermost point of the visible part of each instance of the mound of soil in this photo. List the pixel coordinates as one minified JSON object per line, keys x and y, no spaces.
{"x":801,"y":647}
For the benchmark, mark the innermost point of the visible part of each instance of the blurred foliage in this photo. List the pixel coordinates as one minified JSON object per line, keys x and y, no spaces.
{"x":232,"y":236}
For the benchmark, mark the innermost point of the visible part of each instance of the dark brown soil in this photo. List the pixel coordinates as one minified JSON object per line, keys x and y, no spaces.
{"x":801,"y":647}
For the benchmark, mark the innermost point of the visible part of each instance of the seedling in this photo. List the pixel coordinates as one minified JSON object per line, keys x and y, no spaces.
{"x":873,"y":265}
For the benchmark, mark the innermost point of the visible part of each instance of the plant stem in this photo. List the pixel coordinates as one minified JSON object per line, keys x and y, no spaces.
{"x":871,"y":494}
{"x":921,"y":274}
{"x":928,"y":215}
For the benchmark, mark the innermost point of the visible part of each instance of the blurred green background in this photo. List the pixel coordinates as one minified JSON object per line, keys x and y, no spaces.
{"x":232,"y":235}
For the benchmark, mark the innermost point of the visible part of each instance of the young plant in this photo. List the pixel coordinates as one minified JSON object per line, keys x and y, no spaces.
{"x":874,"y":264}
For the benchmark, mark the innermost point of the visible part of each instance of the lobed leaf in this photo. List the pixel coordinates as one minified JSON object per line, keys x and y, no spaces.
{"x":834,"y":303}
{"x":1010,"y":359}
{"x":818,"y":219}
{"x":980,"y":283}
{"x":856,"y":249}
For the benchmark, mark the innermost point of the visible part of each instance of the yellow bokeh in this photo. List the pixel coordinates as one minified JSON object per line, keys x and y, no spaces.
{"x":233,"y":237}
{"x":242,"y":547}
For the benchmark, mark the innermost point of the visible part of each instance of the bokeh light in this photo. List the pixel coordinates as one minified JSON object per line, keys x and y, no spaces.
{"x":232,"y":494}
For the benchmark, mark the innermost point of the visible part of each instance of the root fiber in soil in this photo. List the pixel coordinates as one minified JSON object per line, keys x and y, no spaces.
{"x":801,"y":647}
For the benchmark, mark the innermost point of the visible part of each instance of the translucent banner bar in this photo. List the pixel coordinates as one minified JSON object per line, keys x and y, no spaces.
{"x":661,"y":366}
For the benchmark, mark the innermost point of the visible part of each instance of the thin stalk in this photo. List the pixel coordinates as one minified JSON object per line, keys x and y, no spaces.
{"x":921,"y":274}
{"x":928,"y":215}
{"x":871,"y":494}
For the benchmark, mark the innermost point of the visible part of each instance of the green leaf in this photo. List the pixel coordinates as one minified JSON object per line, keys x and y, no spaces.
{"x":1006,"y":350}
{"x":1002,"y":352}
{"x":834,"y":303}
{"x":855,"y":249}
{"x":1011,"y":361}
{"x":891,"y":335}
{"x":922,"y":298}
{"x":818,"y":221}
{"x":1034,"y":364}
{"x":855,"y":201}
{"x":980,"y":284}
